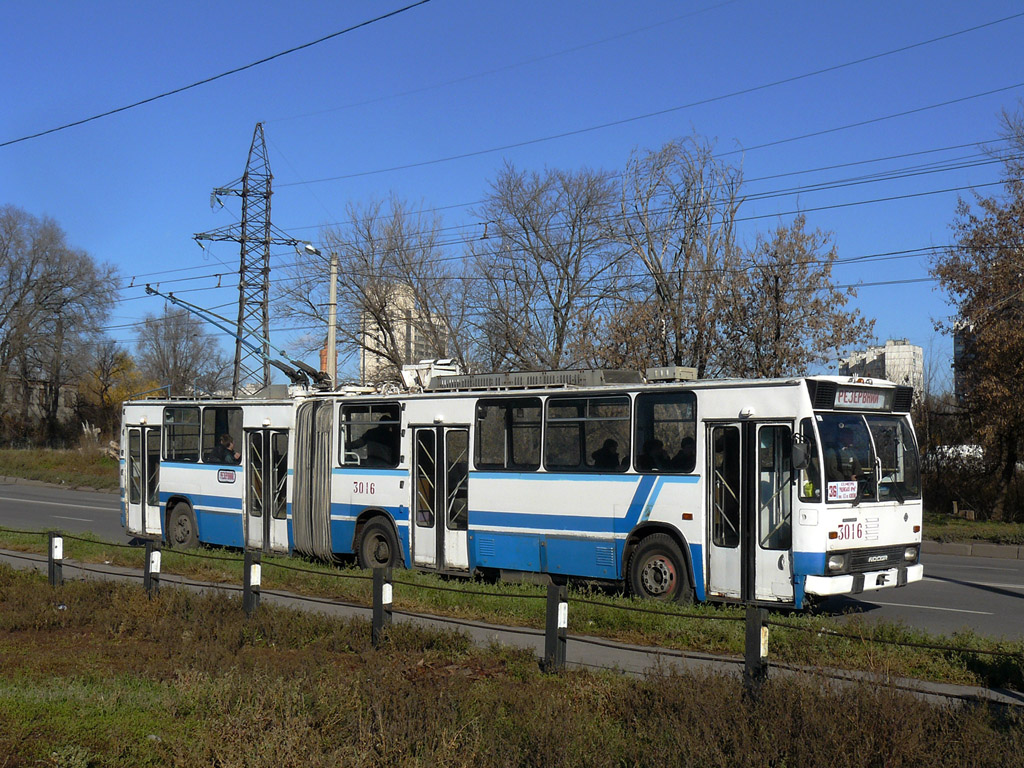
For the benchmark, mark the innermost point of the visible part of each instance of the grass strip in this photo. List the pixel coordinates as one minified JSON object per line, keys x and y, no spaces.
{"x":97,"y":674}
{"x":853,"y":643}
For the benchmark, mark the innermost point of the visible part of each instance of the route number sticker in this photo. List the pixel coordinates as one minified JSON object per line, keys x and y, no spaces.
{"x":845,"y":490}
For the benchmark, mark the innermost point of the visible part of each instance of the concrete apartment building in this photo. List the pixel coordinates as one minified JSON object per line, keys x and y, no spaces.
{"x":897,"y":360}
{"x":405,"y":320}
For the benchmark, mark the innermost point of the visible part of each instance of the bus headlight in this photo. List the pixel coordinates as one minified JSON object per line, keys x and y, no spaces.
{"x":910,"y":554}
{"x":836,"y":562}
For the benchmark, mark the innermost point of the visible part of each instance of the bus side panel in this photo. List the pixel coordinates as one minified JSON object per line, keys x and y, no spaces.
{"x":215,"y":495}
{"x":572,"y":524}
{"x":353,"y":491}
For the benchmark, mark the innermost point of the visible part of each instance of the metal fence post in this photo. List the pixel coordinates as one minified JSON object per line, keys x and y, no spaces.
{"x":755,"y":659}
{"x":151,"y":574}
{"x":555,"y":628}
{"x":55,"y":561}
{"x":382,"y":599}
{"x":251,"y":581}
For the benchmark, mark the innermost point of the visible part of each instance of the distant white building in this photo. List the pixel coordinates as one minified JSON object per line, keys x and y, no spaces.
{"x":898,"y":361}
{"x":405,"y":321}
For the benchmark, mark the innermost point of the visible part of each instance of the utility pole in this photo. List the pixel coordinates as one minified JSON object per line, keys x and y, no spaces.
{"x":255,"y":235}
{"x":332,"y":323}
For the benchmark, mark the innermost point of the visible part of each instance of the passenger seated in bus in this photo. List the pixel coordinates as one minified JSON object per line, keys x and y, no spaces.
{"x":841,"y":460}
{"x":379,"y":441}
{"x":654,"y":456}
{"x":686,"y":455}
{"x":224,"y":451}
{"x":607,"y":456}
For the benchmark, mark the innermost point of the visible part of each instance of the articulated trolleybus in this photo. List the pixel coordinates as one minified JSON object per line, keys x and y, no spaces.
{"x":774,"y":491}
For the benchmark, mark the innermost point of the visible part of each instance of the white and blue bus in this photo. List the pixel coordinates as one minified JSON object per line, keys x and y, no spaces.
{"x":766,"y":491}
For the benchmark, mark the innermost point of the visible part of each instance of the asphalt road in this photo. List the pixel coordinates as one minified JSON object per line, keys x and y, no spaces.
{"x":980,"y":594}
{"x":38,"y":507}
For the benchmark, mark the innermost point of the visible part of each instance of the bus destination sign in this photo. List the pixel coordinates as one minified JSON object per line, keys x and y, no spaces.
{"x":863,"y":399}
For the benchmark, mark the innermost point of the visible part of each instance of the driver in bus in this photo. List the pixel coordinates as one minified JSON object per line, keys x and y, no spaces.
{"x":842,"y":461}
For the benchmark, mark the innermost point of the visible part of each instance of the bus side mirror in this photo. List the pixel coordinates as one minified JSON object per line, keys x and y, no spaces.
{"x":801,"y":454}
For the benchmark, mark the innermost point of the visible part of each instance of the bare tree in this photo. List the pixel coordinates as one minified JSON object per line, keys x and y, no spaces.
{"x":401,"y":296}
{"x":678,"y":210}
{"x":175,"y":350}
{"x":783,"y":312}
{"x":52,"y":297}
{"x":982,"y":274}
{"x":547,"y":267}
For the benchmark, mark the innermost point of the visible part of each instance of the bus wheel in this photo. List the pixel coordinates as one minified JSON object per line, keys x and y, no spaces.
{"x":378,"y":547}
{"x":658,"y":570}
{"x":181,"y":527}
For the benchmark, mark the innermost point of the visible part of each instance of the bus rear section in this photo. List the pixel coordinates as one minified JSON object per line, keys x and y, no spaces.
{"x":207,"y":471}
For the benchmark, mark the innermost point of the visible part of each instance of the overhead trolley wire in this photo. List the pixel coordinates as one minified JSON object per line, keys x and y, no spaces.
{"x":690,"y":105}
{"x":212,"y":78}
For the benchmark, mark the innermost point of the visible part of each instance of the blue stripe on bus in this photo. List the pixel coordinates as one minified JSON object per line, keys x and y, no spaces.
{"x":205,"y":500}
{"x":216,"y":527}
{"x":808,"y":563}
{"x":559,"y":522}
{"x":697,"y":561}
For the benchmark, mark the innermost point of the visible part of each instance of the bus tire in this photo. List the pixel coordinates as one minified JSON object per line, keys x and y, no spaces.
{"x":658,"y":570}
{"x":378,"y":545}
{"x":181,"y":527}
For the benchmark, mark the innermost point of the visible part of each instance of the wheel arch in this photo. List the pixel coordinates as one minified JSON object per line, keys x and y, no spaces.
{"x":173,"y":501}
{"x":641,"y":532}
{"x":375,"y":513}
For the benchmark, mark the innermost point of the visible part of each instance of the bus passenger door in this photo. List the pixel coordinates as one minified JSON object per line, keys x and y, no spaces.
{"x":143,"y":479}
{"x":772,"y":546}
{"x":266,"y":476}
{"x":725,"y":511}
{"x":440,"y":503}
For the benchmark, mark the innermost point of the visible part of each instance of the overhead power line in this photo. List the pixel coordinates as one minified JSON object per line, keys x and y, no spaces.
{"x":699,"y":102}
{"x":212,"y":78}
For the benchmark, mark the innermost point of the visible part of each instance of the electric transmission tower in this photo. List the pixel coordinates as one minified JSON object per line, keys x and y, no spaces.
{"x":255,"y":234}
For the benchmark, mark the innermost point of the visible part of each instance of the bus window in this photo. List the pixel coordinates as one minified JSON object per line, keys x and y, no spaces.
{"x":508,"y":433}
{"x":587,"y":434}
{"x":370,"y":435}
{"x":810,"y":476}
{"x":725,"y":486}
{"x":181,"y":427}
{"x":666,"y":429}
{"x":775,"y":487}
{"x":894,"y":446}
{"x":222,"y":426}
{"x":846,"y":450}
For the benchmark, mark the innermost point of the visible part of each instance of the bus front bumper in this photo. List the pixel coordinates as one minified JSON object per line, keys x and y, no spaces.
{"x":855,"y":583}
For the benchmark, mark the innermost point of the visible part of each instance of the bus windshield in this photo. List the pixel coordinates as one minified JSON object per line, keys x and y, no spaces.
{"x":868,"y":457}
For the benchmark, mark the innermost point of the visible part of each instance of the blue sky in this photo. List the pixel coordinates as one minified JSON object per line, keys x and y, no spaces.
{"x":453,"y":77}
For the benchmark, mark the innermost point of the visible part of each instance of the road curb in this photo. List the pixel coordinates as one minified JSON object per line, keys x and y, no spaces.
{"x":9,"y":480}
{"x":973,"y":549}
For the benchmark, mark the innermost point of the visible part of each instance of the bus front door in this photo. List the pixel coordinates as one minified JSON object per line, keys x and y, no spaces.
{"x":440,"y":503}
{"x":750,"y":512}
{"x":266,"y":477}
{"x":143,"y":481}
{"x":725,"y":511}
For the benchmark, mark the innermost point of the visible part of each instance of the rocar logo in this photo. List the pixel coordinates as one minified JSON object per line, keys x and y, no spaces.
{"x":877,"y":558}
{"x":225,"y":475}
